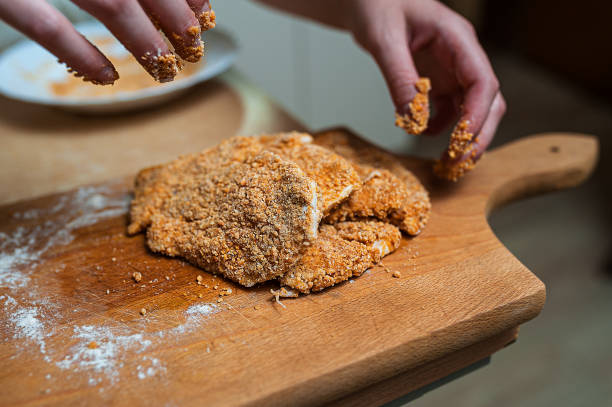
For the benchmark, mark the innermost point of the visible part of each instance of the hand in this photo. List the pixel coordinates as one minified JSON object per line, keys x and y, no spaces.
{"x":413,"y":38}
{"x":133,"y":22}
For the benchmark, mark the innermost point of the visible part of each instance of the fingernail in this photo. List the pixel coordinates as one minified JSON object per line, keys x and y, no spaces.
{"x":105,"y":76}
{"x":109,"y":75}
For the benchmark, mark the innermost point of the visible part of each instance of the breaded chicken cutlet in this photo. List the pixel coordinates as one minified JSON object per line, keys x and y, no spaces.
{"x":251,"y":209}
{"x":248,"y":220}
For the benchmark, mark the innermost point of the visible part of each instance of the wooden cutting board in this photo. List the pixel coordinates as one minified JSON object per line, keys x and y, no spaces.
{"x":71,"y":329}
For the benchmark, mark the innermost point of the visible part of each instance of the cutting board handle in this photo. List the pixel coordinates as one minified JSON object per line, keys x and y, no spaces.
{"x":536,"y":164}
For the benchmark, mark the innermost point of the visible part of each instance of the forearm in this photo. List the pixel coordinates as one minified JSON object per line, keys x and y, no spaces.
{"x":329,"y":12}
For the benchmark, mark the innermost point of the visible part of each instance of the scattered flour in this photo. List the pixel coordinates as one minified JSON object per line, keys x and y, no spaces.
{"x":97,"y":352}
{"x":21,"y":250}
{"x":8,"y":301}
{"x":155,"y":368}
{"x":198,"y":310}
{"x":15,"y":250}
{"x":195,"y":316}
{"x":103,"y":360}
{"x":27,"y":325}
{"x":105,"y":356}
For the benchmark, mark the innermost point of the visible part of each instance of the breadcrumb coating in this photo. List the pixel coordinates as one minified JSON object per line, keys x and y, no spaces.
{"x":191,"y":49}
{"x":208,"y":20}
{"x":341,"y":251}
{"x":451,"y":167}
{"x":382,"y":196}
{"x":389,"y":192}
{"x":415,"y":120}
{"x":233,"y":209}
{"x":162,"y":67}
{"x":336,"y":178}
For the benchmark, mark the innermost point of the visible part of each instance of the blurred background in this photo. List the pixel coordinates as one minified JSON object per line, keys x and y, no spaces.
{"x":554,"y":61}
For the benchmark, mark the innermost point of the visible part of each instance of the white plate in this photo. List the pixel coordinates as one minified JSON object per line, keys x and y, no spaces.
{"x":27,"y":72}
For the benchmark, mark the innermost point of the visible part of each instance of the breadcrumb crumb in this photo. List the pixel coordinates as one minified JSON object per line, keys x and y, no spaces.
{"x":143,"y":311}
{"x":137,"y":276}
{"x":207,"y":20}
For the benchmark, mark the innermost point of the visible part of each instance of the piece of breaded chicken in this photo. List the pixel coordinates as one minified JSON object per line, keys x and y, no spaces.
{"x":335,"y":177}
{"x":341,"y":251}
{"x":248,"y":220}
{"x":389,"y":192}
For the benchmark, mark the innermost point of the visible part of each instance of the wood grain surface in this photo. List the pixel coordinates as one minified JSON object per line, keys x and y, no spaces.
{"x":72,"y":332}
{"x":393,"y":388}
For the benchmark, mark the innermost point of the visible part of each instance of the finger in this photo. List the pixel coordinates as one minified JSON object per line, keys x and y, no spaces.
{"x":498,"y":109}
{"x":204,"y":13}
{"x":475,"y":76}
{"x":389,"y":46}
{"x":51,"y":29}
{"x":464,"y":145}
{"x":179,"y":23}
{"x":392,"y":54}
{"x":133,"y":28}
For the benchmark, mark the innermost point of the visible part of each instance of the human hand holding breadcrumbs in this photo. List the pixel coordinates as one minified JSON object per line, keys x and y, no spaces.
{"x":411,"y":39}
